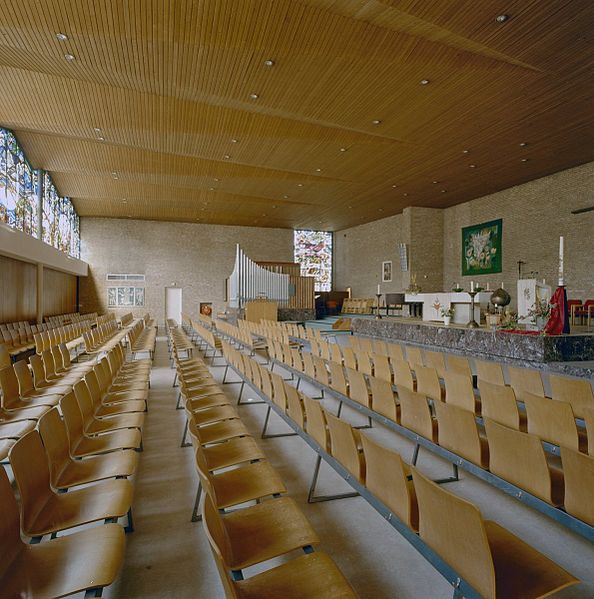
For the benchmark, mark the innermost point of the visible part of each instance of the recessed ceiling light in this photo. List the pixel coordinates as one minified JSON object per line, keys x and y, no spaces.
{"x":443,"y":190}
{"x":435,"y":182}
{"x":61,"y":36}
{"x":343,"y":149}
{"x":217,"y":180}
{"x":233,"y":141}
{"x":254,"y":96}
{"x":350,"y":207}
{"x":299,"y":184}
{"x":269,"y":63}
{"x":375,"y":122}
{"x":524,"y":159}
{"x":394,"y":185}
{"x":96,"y":130}
{"x":211,"y":188}
{"x":101,"y":138}
{"x":318,"y":170}
{"x":465,"y":151}
{"x":501,"y":18}
{"x":380,"y":209}
{"x":405,"y":194}
{"x":286,"y":197}
{"x":226,"y":156}
{"x":523,"y":144}
{"x":472,"y":165}
{"x":124,"y":200}
{"x":264,"y":214}
{"x":69,"y":57}
{"x":274,"y":205}
{"x":114,"y":175}
{"x":424,"y":81}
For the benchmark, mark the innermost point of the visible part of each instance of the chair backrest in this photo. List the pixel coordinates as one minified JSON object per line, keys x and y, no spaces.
{"x":436,"y":360}
{"x":85,"y":402}
{"x":337,"y":378}
{"x":322,"y":375}
{"x":10,"y":532}
{"x":49,"y":364}
{"x":344,"y":446}
{"x":414,"y":356}
{"x":317,"y":426}
{"x":498,"y":402}
{"x":386,"y":477}
{"x":350,"y":358}
{"x":4,"y":356}
{"x":459,"y":390}
{"x":38,"y":368}
{"x":294,"y":405}
{"x":383,"y":399}
{"x":578,"y":473}
{"x":265,"y":382}
{"x":279,"y":394}
{"x":459,"y":364}
{"x":490,"y":372}
{"x":460,"y":538}
{"x":428,"y":382}
{"x":381,"y":368}
{"x":402,"y":374}
{"x":457,"y":431}
{"x":577,"y":392}
{"x":520,"y":459}
{"x":365,"y":344}
{"x":552,"y":421}
{"x":415,"y":413}
{"x":24,"y":376}
{"x":358,"y":387}
{"x":589,"y":420}
{"x":9,"y":384}
{"x":363,"y":362}
{"x":379,"y":347}
{"x":335,"y":353}
{"x":73,"y":418}
{"x":55,"y":440}
{"x":31,"y":472}
{"x":525,"y":380}
{"x":308,"y":365}
{"x":396,"y":352}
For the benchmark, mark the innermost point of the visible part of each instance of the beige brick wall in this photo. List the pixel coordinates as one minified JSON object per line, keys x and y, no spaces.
{"x":534,"y":215}
{"x":194,"y":256}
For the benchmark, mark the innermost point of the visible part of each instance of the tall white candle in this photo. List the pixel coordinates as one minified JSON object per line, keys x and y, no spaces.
{"x":471,"y":285}
{"x":488,"y":287}
{"x":561,"y":279}
{"x":378,"y":289}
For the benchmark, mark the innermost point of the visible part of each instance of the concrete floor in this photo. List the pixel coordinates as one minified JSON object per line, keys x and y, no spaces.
{"x":169,"y":556}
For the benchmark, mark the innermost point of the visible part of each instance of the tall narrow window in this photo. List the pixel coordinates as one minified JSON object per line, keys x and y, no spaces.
{"x":313,"y":251}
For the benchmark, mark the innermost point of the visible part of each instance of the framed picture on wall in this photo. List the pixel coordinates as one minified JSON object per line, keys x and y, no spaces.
{"x":481,"y":248}
{"x":387,"y":272}
{"x":206,"y":308}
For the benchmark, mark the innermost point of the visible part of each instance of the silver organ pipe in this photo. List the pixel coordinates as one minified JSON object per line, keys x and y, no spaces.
{"x":248,"y":281}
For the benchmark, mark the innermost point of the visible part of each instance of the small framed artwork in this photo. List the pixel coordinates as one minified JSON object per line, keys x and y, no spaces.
{"x":481,"y":248}
{"x":206,"y":308}
{"x":387,"y":272}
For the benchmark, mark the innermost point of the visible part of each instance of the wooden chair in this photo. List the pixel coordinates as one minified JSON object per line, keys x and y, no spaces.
{"x":82,"y":561}
{"x":322,"y":374}
{"x":317,"y":427}
{"x":338,"y":381}
{"x":110,"y":409}
{"x":258,"y":533}
{"x":82,"y":445}
{"x":396,"y":352}
{"x":388,"y":477}
{"x":490,"y":372}
{"x":402,"y":374}
{"x":40,"y":381}
{"x":382,"y":368}
{"x":498,"y":402}
{"x":577,"y":392}
{"x":5,"y":359}
{"x":384,"y":401}
{"x":232,"y":452}
{"x":49,"y":366}
{"x":349,"y":359}
{"x":589,"y":421}
{"x":414,"y":356}
{"x":45,"y":512}
{"x":357,"y":386}
{"x":578,"y":472}
{"x":15,"y":430}
{"x":366,"y":344}
{"x":458,"y":432}
{"x":553,"y":421}
{"x":335,"y":353}
{"x":520,"y":459}
{"x":379,"y":347}
{"x":496,"y":563}
{"x":436,"y":360}
{"x":364,"y":362}
{"x":345,"y":446}
{"x":415,"y":414}
{"x":525,"y":380}
{"x":295,"y":409}
{"x":12,"y":400}
{"x":428,"y":383}
{"x":460,"y":364}
{"x":217,"y":432}
{"x":460,"y":392}
{"x":66,"y":472}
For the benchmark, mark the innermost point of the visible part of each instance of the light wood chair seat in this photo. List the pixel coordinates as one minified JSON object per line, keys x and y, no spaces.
{"x":15,"y":430}
{"x":29,"y":413}
{"x":220,"y":431}
{"x":85,"y":560}
{"x":43,"y":511}
{"x":102,"y":409}
{"x":41,"y":383}
{"x":13,"y":399}
{"x":240,"y":485}
{"x":314,"y":576}
{"x":496,"y":563}
{"x":66,"y":472}
{"x":261,"y":532}
{"x":232,"y":452}
{"x":212,"y":415}
{"x":82,"y":445}
{"x":207,"y":401}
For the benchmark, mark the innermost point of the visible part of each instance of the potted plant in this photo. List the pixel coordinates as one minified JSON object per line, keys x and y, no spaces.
{"x":540,"y":314}
{"x":447,"y":314}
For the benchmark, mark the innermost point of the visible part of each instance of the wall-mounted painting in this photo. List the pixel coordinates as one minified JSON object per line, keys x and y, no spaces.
{"x":386,"y":272}
{"x":206,"y":308}
{"x":481,"y":248}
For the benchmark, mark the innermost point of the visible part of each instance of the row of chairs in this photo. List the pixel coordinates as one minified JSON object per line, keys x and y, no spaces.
{"x":73,"y":469}
{"x":71,"y":334}
{"x":450,"y":421}
{"x":126,"y":319}
{"x":242,"y":335}
{"x":234,"y":472}
{"x":207,"y":338}
{"x":415,"y":500}
{"x":358,"y":306}
{"x":60,"y":320}
{"x":105,"y":318}
{"x":143,"y":337}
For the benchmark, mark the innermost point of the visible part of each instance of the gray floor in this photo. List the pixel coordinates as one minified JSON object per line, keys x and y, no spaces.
{"x":168,"y":556}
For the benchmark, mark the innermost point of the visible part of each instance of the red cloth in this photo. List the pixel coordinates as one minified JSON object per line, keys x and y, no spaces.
{"x":558,"y":322}
{"x":519,"y":332}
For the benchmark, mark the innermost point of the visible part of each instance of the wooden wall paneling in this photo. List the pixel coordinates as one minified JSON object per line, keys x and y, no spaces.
{"x":59,"y":292}
{"x":18,"y":290}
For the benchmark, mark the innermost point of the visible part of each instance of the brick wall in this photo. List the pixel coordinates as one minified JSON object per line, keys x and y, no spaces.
{"x":195,"y":257}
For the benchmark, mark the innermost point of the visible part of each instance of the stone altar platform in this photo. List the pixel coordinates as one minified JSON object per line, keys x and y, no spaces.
{"x":481,"y":343}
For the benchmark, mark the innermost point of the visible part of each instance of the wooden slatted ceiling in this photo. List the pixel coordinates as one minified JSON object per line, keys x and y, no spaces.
{"x":169,"y":84}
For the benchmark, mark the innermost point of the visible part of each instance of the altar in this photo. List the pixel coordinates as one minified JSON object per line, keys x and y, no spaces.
{"x":460,"y":301}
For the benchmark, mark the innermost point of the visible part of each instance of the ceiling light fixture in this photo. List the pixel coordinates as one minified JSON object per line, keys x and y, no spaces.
{"x":318,"y":170}
{"x":424,"y":81}
{"x":501,"y":18}
{"x":405,"y":194}
{"x":217,"y":180}
{"x":375,"y":122}
{"x":101,"y":138}
{"x":61,"y":37}
{"x":435,"y":182}
{"x":523,"y":144}
{"x":472,"y":165}
{"x":96,"y":130}
{"x":254,"y":96}
{"x":124,"y":200}
{"x":299,"y":184}
{"x":465,"y":151}
{"x":226,"y":156}
{"x":233,"y":141}
{"x":343,"y":149}
{"x":211,"y":188}
{"x":69,"y":57}
{"x":394,"y":185}
{"x":114,"y":174}
{"x":443,"y":190}
{"x":269,"y":63}
{"x":524,"y":159}
{"x":286,"y":197}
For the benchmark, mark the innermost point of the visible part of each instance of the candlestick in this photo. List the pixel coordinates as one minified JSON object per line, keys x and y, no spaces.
{"x":471,"y":285}
{"x":561,"y":278}
{"x":488,"y":286}
{"x":378,"y":289}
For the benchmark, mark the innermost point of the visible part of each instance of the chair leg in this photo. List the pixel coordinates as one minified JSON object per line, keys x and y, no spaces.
{"x":312,"y":498}
{"x":184,"y":441}
{"x":450,"y":479}
{"x":338,"y":412}
{"x":416,"y":454}
{"x":130,"y":526}
{"x":266,"y":435}
{"x":178,"y":405}
{"x":196,"y":516}
{"x":96,"y":592}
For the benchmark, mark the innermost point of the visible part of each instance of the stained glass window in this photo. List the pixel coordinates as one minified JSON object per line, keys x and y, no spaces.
{"x":125,"y":297}
{"x":61,"y":225}
{"x":313,"y":250}
{"x":18,"y":186}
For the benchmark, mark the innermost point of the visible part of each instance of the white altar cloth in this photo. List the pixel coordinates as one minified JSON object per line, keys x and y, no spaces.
{"x":460,"y":301}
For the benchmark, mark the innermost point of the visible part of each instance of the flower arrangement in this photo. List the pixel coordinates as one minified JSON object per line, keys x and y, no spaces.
{"x":541,"y":311}
{"x":509,"y":321}
{"x":413,"y":288}
{"x":447,"y":312}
